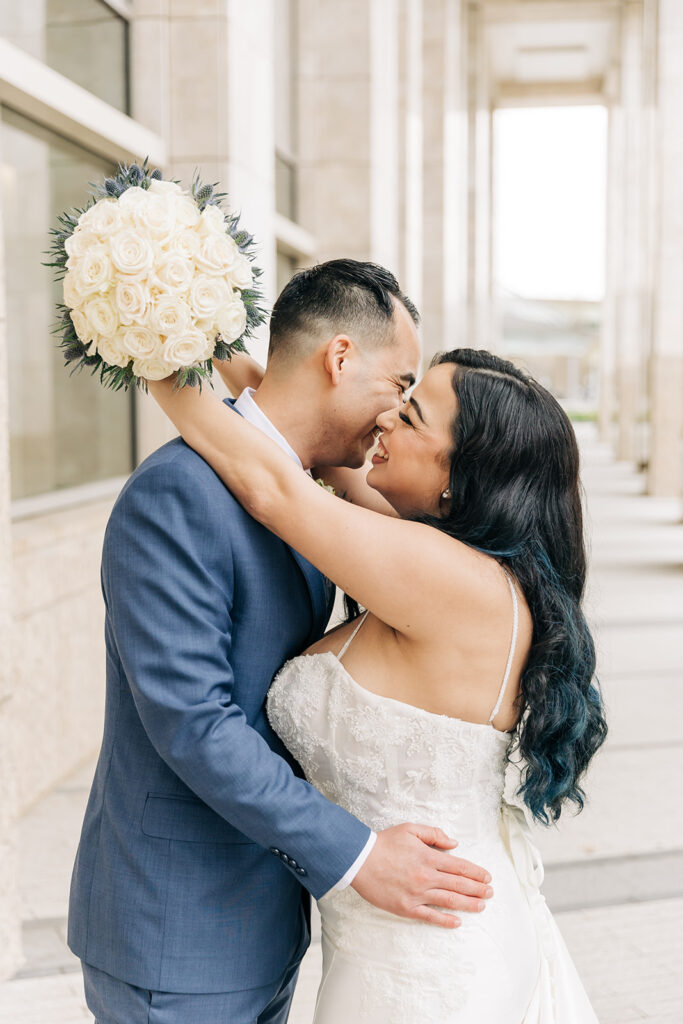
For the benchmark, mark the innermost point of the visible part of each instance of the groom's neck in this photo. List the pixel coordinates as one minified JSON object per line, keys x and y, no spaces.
{"x":283,"y":400}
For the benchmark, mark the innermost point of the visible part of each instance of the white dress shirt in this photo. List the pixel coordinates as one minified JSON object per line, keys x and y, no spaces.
{"x":248,"y":408}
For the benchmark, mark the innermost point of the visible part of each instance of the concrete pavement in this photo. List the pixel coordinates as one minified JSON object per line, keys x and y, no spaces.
{"x":614,"y":874}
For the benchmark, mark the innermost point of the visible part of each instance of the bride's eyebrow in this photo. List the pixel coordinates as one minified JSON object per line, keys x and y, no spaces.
{"x":418,"y":410}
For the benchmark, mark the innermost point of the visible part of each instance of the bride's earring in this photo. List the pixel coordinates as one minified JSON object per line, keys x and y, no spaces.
{"x":446,"y":494}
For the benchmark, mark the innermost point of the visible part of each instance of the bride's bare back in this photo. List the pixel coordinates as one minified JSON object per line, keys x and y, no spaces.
{"x":458,"y":670}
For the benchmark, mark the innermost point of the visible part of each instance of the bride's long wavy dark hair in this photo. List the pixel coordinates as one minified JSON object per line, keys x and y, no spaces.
{"x":515,"y":495}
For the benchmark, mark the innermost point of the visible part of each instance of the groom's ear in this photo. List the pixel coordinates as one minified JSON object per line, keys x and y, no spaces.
{"x":336,"y":357}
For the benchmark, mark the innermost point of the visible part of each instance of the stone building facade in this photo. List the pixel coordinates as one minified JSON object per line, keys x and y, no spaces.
{"x":338,"y":127}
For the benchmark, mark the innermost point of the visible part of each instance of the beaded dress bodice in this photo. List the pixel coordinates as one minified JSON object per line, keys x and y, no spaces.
{"x":385,"y":761}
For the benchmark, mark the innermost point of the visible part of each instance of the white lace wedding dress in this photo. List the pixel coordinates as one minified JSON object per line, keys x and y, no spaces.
{"x":388,"y":762}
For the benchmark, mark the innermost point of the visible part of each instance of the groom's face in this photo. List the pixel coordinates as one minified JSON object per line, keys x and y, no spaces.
{"x":382,"y":377}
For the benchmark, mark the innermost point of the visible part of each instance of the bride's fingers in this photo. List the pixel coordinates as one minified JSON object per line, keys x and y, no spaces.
{"x":456,"y":901}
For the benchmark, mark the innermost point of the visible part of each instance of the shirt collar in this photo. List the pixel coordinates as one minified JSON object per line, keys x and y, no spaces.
{"x":248,"y":408}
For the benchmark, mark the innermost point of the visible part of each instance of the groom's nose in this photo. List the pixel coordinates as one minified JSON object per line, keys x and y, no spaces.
{"x":385,"y":420}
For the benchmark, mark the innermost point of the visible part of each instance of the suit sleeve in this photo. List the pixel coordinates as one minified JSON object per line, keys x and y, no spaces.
{"x":168,"y":586}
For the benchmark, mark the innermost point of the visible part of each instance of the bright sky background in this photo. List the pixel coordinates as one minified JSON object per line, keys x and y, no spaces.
{"x":549,"y":196}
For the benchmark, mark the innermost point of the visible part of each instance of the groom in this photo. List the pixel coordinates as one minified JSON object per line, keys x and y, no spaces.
{"x":201,"y":843}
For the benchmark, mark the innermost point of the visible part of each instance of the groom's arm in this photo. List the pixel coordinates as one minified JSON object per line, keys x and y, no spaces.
{"x":167,"y":575}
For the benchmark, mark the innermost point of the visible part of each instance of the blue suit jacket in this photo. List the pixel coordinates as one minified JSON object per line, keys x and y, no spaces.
{"x":199,"y":834}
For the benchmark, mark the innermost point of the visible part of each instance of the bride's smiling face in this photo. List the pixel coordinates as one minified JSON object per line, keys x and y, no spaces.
{"x":411,"y":466}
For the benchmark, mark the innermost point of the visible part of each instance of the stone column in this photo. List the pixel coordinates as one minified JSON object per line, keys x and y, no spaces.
{"x":632,"y":195}
{"x":609,"y":340}
{"x":410,"y":141}
{"x":666,"y":366}
{"x":348,"y":127}
{"x":202,"y":73}
{"x":10,"y":917}
{"x":445,"y":174}
{"x":479,"y":286}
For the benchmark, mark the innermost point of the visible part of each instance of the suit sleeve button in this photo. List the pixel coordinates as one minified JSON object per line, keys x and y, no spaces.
{"x":301,"y":871}
{"x":274,"y":850}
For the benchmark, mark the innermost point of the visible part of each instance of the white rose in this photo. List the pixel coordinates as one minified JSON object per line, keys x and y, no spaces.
{"x":186,"y":348}
{"x":131,"y":299}
{"x":216,"y":255}
{"x":93,"y":270}
{"x":154,"y":368}
{"x":139,"y":342}
{"x":132,"y":200}
{"x":207,"y":295}
{"x":112,"y":351}
{"x":241,"y":275}
{"x":82,"y":326}
{"x":131,"y":252}
{"x":211,"y":338}
{"x":169,"y":314}
{"x":207,"y":327}
{"x":232,"y":320}
{"x":164,"y":187}
{"x":225,"y":250}
{"x":81,"y":240}
{"x":174,"y":273}
{"x":213,"y":220}
{"x":86,"y":216}
{"x":102,"y":316}
{"x":185,"y":243}
{"x":186,"y":211}
{"x":71,"y":289}
{"x":104,"y":218}
{"x":157,"y":216}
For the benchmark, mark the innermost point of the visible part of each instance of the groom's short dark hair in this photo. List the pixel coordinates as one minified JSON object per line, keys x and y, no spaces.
{"x":339,"y":297}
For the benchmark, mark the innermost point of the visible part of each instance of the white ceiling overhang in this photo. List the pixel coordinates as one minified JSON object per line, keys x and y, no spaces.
{"x":549,"y":51}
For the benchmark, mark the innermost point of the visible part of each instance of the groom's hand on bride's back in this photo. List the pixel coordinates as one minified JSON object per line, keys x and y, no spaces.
{"x":409,"y":874}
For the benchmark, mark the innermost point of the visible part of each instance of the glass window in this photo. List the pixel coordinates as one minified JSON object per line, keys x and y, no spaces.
{"x":64,"y":430}
{"x":85,"y":40}
{"x":285,"y":108}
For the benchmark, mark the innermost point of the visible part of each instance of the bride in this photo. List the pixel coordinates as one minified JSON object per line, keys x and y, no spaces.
{"x":464,"y":542}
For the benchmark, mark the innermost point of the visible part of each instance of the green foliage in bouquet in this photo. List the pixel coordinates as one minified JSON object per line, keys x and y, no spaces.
{"x":78,"y":354}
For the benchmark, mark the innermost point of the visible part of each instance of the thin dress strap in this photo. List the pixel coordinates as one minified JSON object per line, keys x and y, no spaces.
{"x":513,"y":644}
{"x":348,"y":642}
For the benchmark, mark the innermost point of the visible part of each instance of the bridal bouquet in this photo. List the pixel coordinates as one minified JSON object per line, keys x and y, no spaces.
{"x":156,"y":279}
